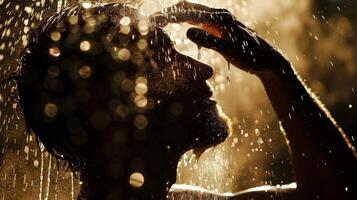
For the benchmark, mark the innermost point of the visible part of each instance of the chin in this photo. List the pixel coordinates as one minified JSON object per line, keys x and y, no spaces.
{"x":210,"y":126}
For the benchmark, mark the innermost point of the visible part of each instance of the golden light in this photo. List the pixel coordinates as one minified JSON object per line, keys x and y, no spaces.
{"x":86,"y":4}
{"x":125,"y":30}
{"x":143,"y":26}
{"x":51,"y":109}
{"x":141,"y":88}
{"x":141,"y":79}
{"x":236,"y":164}
{"x":141,"y":101}
{"x":73,"y":20}
{"x":53,"y":71}
{"x":136,"y":180}
{"x":55,"y":36}
{"x":125,"y":21}
{"x":54,"y":51}
{"x":85,"y":45}
{"x":124,"y":54}
{"x":127,"y":85}
{"x":141,"y":122}
{"x":85,"y":71}
{"x":142,"y":44}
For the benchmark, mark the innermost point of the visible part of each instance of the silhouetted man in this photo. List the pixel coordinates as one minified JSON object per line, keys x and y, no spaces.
{"x":105,"y":90}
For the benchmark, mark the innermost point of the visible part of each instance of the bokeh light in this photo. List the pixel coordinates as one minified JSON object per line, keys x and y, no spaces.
{"x":317,"y":36}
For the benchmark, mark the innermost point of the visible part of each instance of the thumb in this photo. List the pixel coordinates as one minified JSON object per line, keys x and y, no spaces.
{"x":206,"y":39}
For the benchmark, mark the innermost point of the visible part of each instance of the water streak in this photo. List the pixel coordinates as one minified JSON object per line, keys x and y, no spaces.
{"x":199,"y":52}
{"x":72,"y":186}
{"x":228,"y":73}
{"x":48,"y":177}
{"x":41,"y":178}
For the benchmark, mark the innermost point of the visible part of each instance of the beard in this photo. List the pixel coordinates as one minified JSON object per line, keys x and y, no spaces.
{"x":210,"y":127}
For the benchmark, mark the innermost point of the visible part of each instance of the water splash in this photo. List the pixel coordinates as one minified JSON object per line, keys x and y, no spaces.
{"x":228,"y":72}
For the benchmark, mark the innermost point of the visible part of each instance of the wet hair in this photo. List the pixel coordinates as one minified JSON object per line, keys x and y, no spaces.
{"x":78,"y":73}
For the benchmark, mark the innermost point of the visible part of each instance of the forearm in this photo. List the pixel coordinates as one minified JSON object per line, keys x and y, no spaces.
{"x":324,"y":161}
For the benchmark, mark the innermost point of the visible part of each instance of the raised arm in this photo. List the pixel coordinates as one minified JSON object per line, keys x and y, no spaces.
{"x":324,"y":161}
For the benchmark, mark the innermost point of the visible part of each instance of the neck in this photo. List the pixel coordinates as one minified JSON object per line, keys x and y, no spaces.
{"x":110,"y":178}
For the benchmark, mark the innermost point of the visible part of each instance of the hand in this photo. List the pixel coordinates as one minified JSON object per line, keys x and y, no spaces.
{"x":219,"y":30}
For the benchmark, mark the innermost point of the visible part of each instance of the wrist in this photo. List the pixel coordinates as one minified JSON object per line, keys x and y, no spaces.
{"x":282,"y":71}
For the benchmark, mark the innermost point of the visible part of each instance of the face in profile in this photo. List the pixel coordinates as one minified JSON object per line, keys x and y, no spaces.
{"x":103,"y":81}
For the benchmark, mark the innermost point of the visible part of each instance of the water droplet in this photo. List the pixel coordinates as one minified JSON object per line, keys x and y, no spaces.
{"x":199,"y":52}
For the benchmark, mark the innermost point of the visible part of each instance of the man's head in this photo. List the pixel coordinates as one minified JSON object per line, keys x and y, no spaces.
{"x":104,"y":83}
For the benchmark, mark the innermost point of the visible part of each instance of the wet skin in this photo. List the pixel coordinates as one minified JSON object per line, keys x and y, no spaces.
{"x":177,"y":82}
{"x":324,"y":160}
{"x":180,"y":114}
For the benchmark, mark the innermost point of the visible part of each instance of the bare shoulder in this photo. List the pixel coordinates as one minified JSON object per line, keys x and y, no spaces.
{"x":189,"y":192}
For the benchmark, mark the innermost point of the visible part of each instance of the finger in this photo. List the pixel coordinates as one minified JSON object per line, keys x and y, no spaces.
{"x":185,"y":6}
{"x":192,"y":13}
{"x":206,"y":39}
{"x":225,"y":48}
